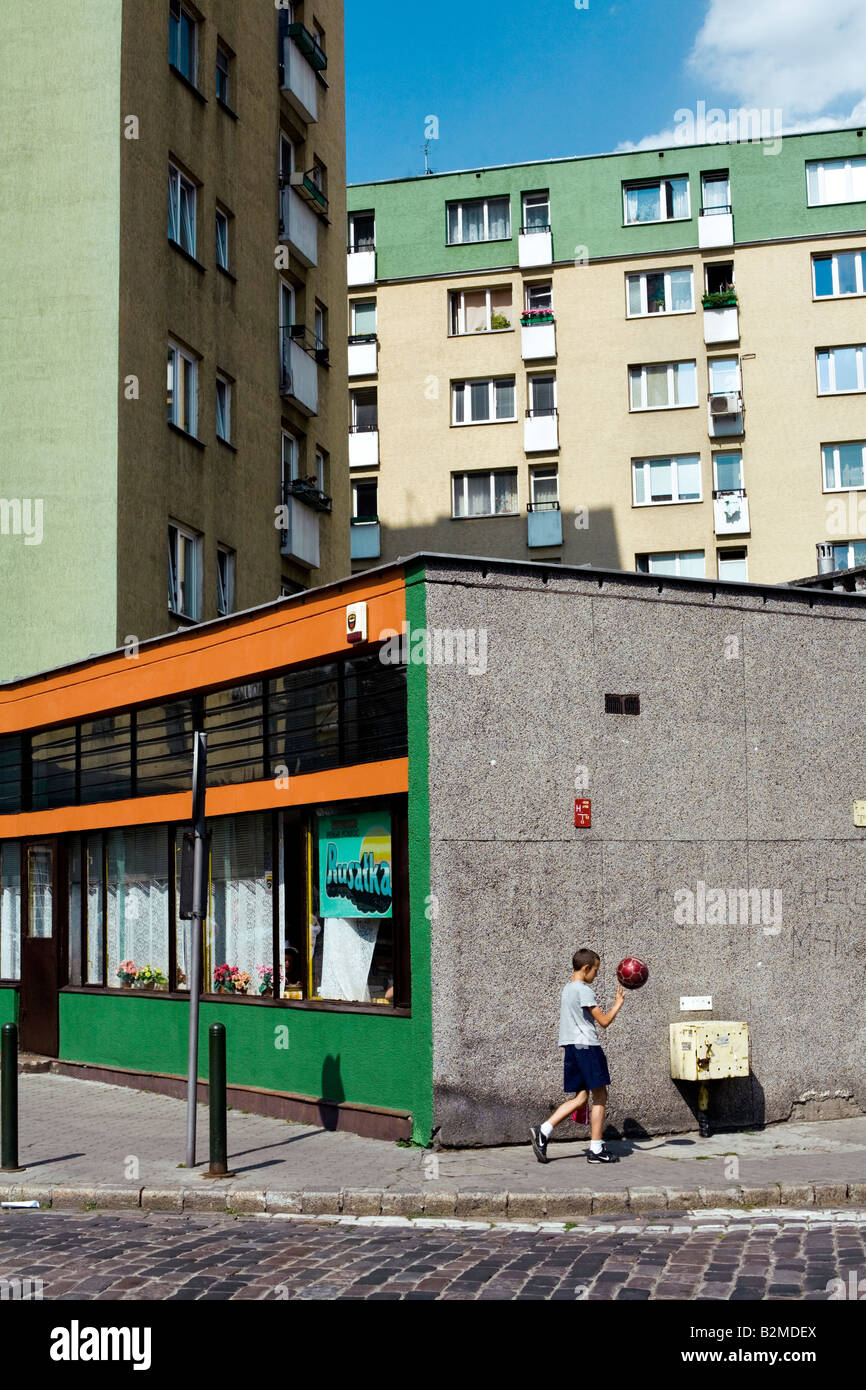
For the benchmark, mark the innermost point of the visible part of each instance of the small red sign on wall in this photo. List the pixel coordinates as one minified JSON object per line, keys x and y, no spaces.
{"x":582,"y":812}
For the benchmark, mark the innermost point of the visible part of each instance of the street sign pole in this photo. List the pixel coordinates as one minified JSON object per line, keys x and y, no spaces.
{"x":197,"y":913}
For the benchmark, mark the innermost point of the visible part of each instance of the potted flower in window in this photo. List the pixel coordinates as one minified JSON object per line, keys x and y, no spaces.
{"x":534,"y":316}
{"x":126,"y":973}
{"x":240,"y":981}
{"x":150,"y":977}
{"x":222,"y":979}
{"x":721,"y":299}
{"x":499,"y":321}
{"x":266,"y":979}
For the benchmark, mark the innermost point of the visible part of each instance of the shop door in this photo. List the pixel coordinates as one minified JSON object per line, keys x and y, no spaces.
{"x":38,"y":1016}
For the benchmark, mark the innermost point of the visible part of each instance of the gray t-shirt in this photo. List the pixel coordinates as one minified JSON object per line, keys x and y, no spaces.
{"x":576,"y":1024}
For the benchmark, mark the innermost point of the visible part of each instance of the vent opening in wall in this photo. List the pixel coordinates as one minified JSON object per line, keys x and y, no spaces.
{"x":622,"y":704}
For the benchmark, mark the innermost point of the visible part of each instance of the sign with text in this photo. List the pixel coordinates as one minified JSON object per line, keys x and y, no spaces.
{"x":355,"y":865}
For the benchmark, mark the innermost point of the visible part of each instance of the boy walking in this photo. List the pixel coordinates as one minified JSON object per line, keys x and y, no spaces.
{"x":585,"y":1065}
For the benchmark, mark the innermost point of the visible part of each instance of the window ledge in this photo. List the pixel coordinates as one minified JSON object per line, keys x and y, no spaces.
{"x":187,"y":256}
{"x":482,"y":333}
{"x":487,"y":516}
{"x":227,"y":273}
{"x":184,"y":434}
{"x":324,"y":1005}
{"x":224,"y":106}
{"x":190,"y":86}
{"x":485,"y":241}
{"x":650,"y":409}
{"x":182,"y":618}
{"x":660,"y":222}
{"x":674,"y":502}
{"x":469,"y":424}
{"x":665,"y":314}
{"x":226,"y":444}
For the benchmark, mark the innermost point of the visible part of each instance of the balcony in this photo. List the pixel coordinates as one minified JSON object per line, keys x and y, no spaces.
{"x":731,"y":513}
{"x":301,"y":60}
{"x":363,"y":354}
{"x":715,"y":228}
{"x":725,"y":413}
{"x":361,"y":267}
{"x":365,"y":539}
{"x":299,"y":226}
{"x":721,"y":320}
{"x":299,"y":370}
{"x":363,"y":446}
{"x":299,"y":541}
{"x":543,"y":524}
{"x":534,"y":247}
{"x":537,"y":336}
{"x":541,"y":431}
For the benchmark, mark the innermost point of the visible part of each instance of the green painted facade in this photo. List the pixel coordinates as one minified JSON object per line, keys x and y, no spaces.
{"x":8,"y":1006}
{"x":768,"y":198}
{"x":59,"y":275}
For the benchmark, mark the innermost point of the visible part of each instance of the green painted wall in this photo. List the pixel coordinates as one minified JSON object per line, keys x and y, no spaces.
{"x":8,"y":1006}
{"x":768,"y":196}
{"x":59,"y":260}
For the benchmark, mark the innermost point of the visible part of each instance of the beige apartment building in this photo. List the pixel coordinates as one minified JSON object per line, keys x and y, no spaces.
{"x":587,"y":361}
{"x":172,"y":413}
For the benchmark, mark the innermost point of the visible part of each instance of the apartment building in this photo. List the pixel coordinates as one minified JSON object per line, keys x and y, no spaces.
{"x":651,"y":361}
{"x":172,"y":438}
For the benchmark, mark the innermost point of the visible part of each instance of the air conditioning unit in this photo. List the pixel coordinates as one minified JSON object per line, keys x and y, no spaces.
{"x":725,"y":405}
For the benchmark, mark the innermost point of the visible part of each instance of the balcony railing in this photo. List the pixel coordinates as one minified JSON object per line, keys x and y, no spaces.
{"x":307,"y":188}
{"x":543,"y":524}
{"x":540,"y":430}
{"x":364,"y":446}
{"x":314,"y":55}
{"x":301,"y":59}
{"x":363,"y":354}
{"x":365,"y":538}
{"x":361,"y":264}
{"x":716,"y":227}
{"x":534,"y":247}
{"x":731,"y":512}
{"x":299,"y":227}
{"x":307,"y":490}
{"x":299,"y":540}
{"x":299,"y":375}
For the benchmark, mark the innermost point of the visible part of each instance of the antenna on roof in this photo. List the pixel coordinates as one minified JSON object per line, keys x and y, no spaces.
{"x":427,"y":169}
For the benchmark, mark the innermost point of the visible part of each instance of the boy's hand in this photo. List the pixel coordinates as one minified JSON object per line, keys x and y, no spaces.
{"x":620,"y":996}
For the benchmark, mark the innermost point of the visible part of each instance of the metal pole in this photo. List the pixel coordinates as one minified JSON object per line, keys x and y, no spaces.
{"x":199,"y":776}
{"x":9,"y":1101}
{"x":217,"y":1102}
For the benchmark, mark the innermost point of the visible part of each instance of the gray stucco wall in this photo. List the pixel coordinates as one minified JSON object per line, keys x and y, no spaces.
{"x":740,"y":772}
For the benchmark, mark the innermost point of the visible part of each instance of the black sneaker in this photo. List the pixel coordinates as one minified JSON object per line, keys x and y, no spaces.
{"x":539,"y":1143}
{"x":604,"y":1157}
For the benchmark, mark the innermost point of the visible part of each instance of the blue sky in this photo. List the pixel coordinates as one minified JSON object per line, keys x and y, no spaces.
{"x":510,"y":81}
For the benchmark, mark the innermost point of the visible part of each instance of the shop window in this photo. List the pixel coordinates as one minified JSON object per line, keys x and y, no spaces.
{"x":239,"y":947}
{"x":11,"y":774}
{"x":53,"y":757}
{"x":233,"y":722}
{"x":94,"y":869}
{"x":105,"y":759}
{"x":352,"y":930}
{"x":137,"y":907}
{"x":164,"y":748}
{"x":304,"y":729}
{"x":10,"y":910}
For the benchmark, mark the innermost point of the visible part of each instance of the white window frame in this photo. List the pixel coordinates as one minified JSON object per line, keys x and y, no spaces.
{"x":178,"y":353}
{"x":818,"y":166}
{"x":177,"y":12}
{"x":641,"y":277}
{"x":461,"y":203}
{"x":353,"y":241}
{"x":353,"y":395}
{"x":725,"y":454}
{"x":319,"y":324}
{"x":723,"y":390}
{"x":491,"y":475}
{"x":354,"y":306}
{"x":833,"y":449}
{"x":320,"y":470}
{"x":458,"y":297}
{"x":365,"y":520}
{"x":833,"y":258}
{"x":860,"y":350}
{"x":225,"y":580}
{"x":543,"y":472}
{"x":672,"y":376}
{"x":178,"y":181}
{"x":538,"y":199}
{"x":742,"y":554}
{"x":537,"y":285}
{"x":851,"y":559}
{"x":678,"y":556}
{"x":290,"y":457}
{"x":656,"y":183}
{"x":642,"y":465}
{"x":226,"y":383}
{"x":531,"y":381}
{"x":222,"y":218}
{"x":492,"y":418}
{"x":720,"y":177}
{"x":183,"y":533}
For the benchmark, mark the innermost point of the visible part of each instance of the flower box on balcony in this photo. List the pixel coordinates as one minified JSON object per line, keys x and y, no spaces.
{"x":308,"y":46}
{"x":535,"y":316}
{"x":722,"y":299}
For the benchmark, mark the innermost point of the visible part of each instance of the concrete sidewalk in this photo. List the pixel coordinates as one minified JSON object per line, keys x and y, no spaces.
{"x":86,"y":1144}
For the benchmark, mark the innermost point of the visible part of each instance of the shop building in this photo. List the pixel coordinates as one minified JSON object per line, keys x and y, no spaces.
{"x":397,"y":879}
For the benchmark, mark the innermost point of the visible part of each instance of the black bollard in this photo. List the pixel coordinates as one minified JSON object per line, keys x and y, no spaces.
{"x":9,"y":1098}
{"x":217,"y":1102}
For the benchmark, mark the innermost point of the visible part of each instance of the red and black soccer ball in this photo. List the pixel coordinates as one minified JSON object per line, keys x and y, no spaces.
{"x":632,"y":973}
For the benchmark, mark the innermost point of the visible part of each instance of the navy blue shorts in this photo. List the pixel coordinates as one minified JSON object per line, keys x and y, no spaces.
{"x":584,"y":1069}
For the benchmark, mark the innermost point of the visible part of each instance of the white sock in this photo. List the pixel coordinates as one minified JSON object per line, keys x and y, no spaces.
{"x":547,"y":1129}
{"x":596,"y":1145}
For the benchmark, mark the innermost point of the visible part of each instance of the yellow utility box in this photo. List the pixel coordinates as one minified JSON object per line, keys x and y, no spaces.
{"x":709,"y":1051}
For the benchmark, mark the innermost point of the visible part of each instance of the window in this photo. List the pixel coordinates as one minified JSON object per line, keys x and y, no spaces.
{"x":224,"y":408}
{"x":663,"y":385}
{"x":843,"y":273}
{"x":181,"y":210}
{"x":674,"y":479}
{"x":542,"y":395}
{"x":719,"y":276}
{"x":290,"y":458}
{"x":836,"y":181}
{"x":484,"y":494}
{"x":844,"y":466}
{"x":362,"y":231}
{"x":544,"y":487}
{"x":137,"y":905}
{"x":222,"y":239}
{"x":183,"y":40}
{"x":715,"y":192}
{"x":663,"y":200}
{"x":321,"y":469}
{"x":480,"y":311}
{"x":841,"y":369}
{"x":477,"y":402}
{"x":660,"y":292}
{"x":482,"y":219}
{"x":539,"y":297}
{"x":365,"y":409}
{"x":319,"y":329}
{"x":182,"y":389}
{"x":10,"y":910}
{"x":536,"y":212}
{"x":365,"y":501}
{"x":363,"y":318}
{"x":732,"y":565}
{"x":184,"y":572}
{"x":351,"y":940}
{"x":225,"y":580}
{"x":687,"y":563}
{"x":847,"y":554}
{"x":728,"y":472}
{"x":223,"y":75}
{"x":724,"y":373}
{"x":240,"y":921}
